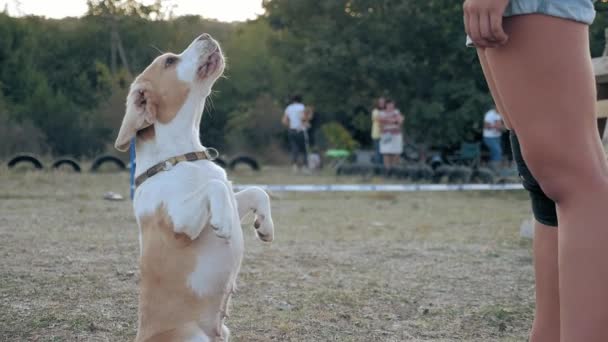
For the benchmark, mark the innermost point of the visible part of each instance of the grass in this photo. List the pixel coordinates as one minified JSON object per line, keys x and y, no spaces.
{"x":343,"y":267}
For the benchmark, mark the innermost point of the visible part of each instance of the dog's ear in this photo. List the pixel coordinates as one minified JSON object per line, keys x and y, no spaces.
{"x":140,"y":113}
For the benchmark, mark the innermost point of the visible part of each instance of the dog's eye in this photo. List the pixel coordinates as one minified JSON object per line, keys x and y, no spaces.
{"x":170,"y":61}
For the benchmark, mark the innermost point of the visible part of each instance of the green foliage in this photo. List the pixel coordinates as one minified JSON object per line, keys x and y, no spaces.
{"x":338,"y":137}
{"x":347,"y":52}
{"x":125,"y":8}
{"x":343,"y":53}
{"x":60,"y":84}
{"x":56,"y":75}
{"x":252,"y":126}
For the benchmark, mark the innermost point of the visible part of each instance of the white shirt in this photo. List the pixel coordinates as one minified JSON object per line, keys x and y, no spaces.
{"x":295,"y":113}
{"x":492,"y":117}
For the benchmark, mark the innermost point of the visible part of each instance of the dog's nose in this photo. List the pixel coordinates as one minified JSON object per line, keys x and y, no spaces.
{"x":204,"y":36}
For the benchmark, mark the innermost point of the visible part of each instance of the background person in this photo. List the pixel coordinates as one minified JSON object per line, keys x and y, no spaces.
{"x":492,"y":133}
{"x":294,"y":119}
{"x":376,"y":130}
{"x":391,"y":141}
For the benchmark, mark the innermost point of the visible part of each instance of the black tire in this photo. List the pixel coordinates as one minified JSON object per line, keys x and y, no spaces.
{"x":25,"y":158}
{"x":484,"y":175}
{"x":249,"y":161}
{"x":345,"y":170}
{"x":442,"y":172}
{"x":398,"y":172}
{"x":220,"y":162}
{"x":460,"y":174}
{"x":425,"y":172}
{"x":366,"y":170}
{"x":378,"y":170}
{"x":67,"y":161}
{"x":108,"y":159}
{"x":412,"y":172}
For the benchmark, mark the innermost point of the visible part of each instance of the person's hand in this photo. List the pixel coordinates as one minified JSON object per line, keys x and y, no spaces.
{"x":483,"y":22}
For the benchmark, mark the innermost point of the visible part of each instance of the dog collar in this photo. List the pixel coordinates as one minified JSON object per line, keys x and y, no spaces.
{"x":169,"y":163}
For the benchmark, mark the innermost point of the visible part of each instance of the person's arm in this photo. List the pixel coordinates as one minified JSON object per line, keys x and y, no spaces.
{"x":400,"y":118}
{"x":488,"y":124}
{"x":310,"y":113}
{"x":285,"y":120}
{"x":383,"y":120}
{"x":307,"y":117}
{"x":499,"y":125}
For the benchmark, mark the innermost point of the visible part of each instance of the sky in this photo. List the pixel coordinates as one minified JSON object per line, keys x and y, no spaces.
{"x":224,"y":10}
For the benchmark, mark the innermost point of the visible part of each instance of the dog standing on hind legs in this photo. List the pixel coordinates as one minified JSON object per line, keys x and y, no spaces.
{"x":191,"y":242}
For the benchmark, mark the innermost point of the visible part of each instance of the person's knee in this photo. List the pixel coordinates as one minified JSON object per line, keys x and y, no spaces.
{"x":560,"y":177}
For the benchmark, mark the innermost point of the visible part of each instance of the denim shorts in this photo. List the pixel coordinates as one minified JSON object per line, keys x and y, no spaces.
{"x":576,"y":10}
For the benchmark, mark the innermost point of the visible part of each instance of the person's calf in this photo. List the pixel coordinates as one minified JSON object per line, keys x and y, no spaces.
{"x":546,"y":326}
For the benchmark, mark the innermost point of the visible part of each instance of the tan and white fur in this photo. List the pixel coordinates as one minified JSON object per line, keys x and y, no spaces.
{"x":190,"y":238}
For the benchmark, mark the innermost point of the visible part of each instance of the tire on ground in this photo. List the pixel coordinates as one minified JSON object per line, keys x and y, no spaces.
{"x":220,"y":162}
{"x":25,"y":158}
{"x":484,"y":175}
{"x":107,"y":159}
{"x":249,"y":161}
{"x":460,"y":174}
{"x":442,"y":171}
{"x":67,"y":161}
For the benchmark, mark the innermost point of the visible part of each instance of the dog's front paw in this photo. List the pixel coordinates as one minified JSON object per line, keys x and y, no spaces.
{"x":222,"y":224}
{"x":190,"y":230}
{"x":264,"y":227}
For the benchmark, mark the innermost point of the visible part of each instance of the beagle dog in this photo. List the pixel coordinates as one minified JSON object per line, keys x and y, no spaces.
{"x":190,"y":237}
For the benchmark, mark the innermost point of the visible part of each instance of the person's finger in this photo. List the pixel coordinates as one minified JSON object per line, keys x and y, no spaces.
{"x":465,"y":19}
{"x":496,"y":27}
{"x":475,"y":30}
{"x":485,"y":30}
{"x":484,"y":27}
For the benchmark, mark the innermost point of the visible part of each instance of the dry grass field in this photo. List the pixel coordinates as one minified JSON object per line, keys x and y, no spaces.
{"x":343,"y":267}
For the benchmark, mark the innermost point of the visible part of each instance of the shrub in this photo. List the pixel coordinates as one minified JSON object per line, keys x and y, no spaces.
{"x":338,"y":137}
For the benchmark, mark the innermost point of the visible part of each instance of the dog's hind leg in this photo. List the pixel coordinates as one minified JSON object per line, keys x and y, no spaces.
{"x":225,"y":333}
{"x":257,"y":200}
{"x":222,"y":331}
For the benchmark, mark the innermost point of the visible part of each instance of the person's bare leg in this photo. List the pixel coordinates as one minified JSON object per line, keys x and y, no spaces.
{"x":492,"y":85}
{"x":545,"y":80}
{"x":546,"y":325}
{"x":546,"y":320}
{"x":387,"y":161}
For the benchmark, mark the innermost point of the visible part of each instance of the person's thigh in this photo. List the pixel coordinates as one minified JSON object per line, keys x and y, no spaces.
{"x":492,"y":86}
{"x":302,"y":142}
{"x":293,"y":144}
{"x":544,"y":78}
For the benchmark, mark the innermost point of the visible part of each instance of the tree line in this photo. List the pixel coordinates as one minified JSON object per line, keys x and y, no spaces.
{"x":63,"y":83}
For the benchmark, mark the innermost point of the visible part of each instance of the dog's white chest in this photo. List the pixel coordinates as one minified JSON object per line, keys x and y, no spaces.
{"x":180,"y":191}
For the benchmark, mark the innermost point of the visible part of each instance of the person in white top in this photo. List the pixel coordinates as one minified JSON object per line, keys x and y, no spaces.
{"x":295,"y":120}
{"x":492,"y":132}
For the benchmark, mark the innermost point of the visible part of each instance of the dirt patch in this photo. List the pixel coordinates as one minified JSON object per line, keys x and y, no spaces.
{"x":343,"y":267}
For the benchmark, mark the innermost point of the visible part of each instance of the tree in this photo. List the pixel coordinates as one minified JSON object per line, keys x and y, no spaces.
{"x":128,"y":8}
{"x":344,"y":53}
